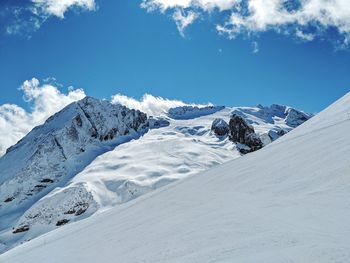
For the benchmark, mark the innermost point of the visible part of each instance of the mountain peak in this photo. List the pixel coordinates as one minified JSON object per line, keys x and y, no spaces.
{"x":58,"y":149}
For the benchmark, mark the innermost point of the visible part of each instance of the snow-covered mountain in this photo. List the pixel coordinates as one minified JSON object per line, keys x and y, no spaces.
{"x":94,"y":155}
{"x":288,"y":202}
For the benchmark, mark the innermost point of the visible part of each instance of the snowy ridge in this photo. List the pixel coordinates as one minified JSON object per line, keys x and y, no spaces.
{"x":181,"y":148}
{"x":286,"y":202}
{"x":51,"y":154}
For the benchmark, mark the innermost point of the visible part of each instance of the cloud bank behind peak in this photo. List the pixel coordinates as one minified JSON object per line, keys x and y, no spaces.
{"x":152,"y":105}
{"x":46,"y":98}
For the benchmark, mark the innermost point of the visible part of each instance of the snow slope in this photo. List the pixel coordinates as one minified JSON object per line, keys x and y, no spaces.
{"x":183,"y":148}
{"x":288,"y":202}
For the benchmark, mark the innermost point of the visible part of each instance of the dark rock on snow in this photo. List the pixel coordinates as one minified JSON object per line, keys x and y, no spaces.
{"x":275,"y":133}
{"x":21,"y":229}
{"x":62,"y":222}
{"x":220,"y":127}
{"x":294,"y":118}
{"x":243,"y":133}
{"x":157,"y":122}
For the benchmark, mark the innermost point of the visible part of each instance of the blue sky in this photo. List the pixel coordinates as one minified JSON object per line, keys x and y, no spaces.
{"x":121,"y":48}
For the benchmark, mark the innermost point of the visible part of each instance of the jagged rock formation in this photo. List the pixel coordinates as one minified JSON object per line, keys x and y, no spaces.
{"x":282,"y":118}
{"x":220,"y":127}
{"x":294,"y":118}
{"x":276,"y":133}
{"x":241,"y":131}
{"x":243,"y":135}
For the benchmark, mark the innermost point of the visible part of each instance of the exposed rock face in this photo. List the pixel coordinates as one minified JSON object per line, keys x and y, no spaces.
{"x":190,"y":112}
{"x":157,"y":122}
{"x":244,"y":135}
{"x":294,"y":118}
{"x":275,"y":133}
{"x":63,"y":206}
{"x":220,"y":127}
{"x":21,"y":229}
{"x":283,"y":118}
{"x":62,"y":222}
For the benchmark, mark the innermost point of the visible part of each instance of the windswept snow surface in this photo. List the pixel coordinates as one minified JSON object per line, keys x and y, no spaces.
{"x":288,"y":202}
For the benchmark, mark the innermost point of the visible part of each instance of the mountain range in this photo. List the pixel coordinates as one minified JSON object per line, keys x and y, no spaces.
{"x":94,"y":155}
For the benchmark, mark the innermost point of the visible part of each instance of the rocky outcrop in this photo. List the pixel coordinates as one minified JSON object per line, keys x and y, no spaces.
{"x":21,"y":229}
{"x":275,"y":133}
{"x":220,"y":127}
{"x":282,"y":119}
{"x":294,"y":118}
{"x":191,"y":112}
{"x":239,"y":132}
{"x":157,"y":122}
{"x":276,"y":114}
{"x":243,"y":135}
{"x":62,"y":222}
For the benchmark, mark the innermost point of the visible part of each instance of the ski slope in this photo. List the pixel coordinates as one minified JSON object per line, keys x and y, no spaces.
{"x":288,"y":202}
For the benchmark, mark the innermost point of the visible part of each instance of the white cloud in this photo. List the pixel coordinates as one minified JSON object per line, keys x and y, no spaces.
{"x":185,"y":12}
{"x":29,"y":18}
{"x":46,"y":99}
{"x":151,"y":105}
{"x":203,"y":4}
{"x":59,"y":7}
{"x":305,"y":19}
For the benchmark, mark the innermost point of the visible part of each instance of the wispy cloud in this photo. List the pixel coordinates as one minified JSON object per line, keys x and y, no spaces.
{"x":183,"y":19}
{"x":150,"y":104}
{"x":28,"y":18}
{"x":255,"y":47}
{"x":304,"y":36}
{"x":44,"y":100}
{"x":304,"y":19}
